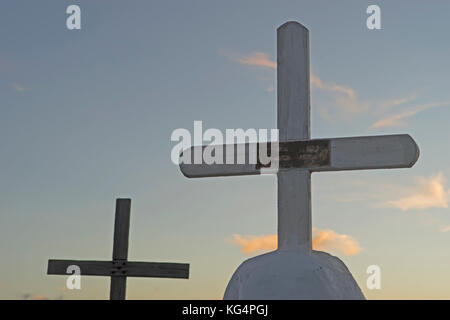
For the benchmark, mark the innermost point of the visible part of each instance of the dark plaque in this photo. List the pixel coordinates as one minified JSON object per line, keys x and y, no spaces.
{"x":300,"y":154}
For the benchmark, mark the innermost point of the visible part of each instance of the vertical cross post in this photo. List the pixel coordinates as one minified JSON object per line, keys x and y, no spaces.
{"x":120,"y":247}
{"x":294,"y":185}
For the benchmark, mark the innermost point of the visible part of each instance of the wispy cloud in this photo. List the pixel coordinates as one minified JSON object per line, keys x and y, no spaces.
{"x":343,"y":102}
{"x":251,"y":244}
{"x":344,"y":96}
{"x":324,"y":240}
{"x":256,"y":59}
{"x":17,"y":87}
{"x":427,"y":193}
{"x":445,"y":229}
{"x":33,"y":296}
{"x":385,"y":105}
{"x":340,"y":101}
{"x":262,"y":60}
{"x":30,"y":296}
{"x":397,"y":119}
{"x":332,"y":87}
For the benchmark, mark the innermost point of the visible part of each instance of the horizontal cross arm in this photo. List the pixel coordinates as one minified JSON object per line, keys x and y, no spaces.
{"x":372,"y":152}
{"x":88,"y":268}
{"x":120,"y":268}
{"x":353,"y":153}
{"x":157,"y":270}
{"x":193,"y":168}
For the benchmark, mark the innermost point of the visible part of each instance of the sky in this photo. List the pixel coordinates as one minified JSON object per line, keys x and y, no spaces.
{"x":87,"y":116}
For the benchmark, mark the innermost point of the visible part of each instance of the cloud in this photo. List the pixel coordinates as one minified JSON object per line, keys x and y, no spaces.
{"x":251,"y":244}
{"x":30,"y":296}
{"x":270,"y":88}
{"x":256,"y":59}
{"x":332,"y":87}
{"x":337,"y":101}
{"x":428,"y":193}
{"x":345,"y":97}
{"x":324,"y":240}
{"x":445,"y":229}
{"x":17,"y":87}
{"x":397,"y":119}
{"x":261,"y":59}
{"x":388,"y":104}
{"x":342,"y":101}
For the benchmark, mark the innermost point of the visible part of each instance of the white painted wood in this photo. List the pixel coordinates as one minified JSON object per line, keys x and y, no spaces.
{"x":375,"y":152}
{"x":294,"y":185}
{"x":348,"y":153}
{"x":202,"y":169}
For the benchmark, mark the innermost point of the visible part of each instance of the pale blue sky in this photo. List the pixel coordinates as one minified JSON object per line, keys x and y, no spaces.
{"x":86,"y":116}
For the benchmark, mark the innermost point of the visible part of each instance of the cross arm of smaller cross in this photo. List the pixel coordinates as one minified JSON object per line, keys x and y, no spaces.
{"x":121,"y":268}
{"x":336,"y":154}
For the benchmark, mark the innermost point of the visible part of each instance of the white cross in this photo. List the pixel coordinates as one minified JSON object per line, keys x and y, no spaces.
{"x":299,"y":155}
{"x":120,"y":268}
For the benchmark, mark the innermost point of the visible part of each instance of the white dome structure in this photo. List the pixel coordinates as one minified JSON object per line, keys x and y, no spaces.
{"x":293,"y":275}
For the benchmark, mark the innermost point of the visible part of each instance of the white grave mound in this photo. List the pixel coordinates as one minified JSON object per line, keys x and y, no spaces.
{"x":293,"y":275}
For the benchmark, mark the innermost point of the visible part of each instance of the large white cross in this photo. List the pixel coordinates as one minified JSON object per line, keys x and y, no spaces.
{"x":299,"y":155}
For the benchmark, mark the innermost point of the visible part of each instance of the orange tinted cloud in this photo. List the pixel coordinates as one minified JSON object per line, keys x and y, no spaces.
{"x":17,"y":87}
{"x":397,"y":119}
{"x":251,"y":244}
{"x":347,"y":91}
{"x":261,"y":59}
{"x":340,"y":101}
{"x":270,"y":88}
{"x":323,"y":240}
{"x":428,"y":193}
{"x":345,"y":96}
{"x":29,"y":296}
{"x":257,"y":59}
